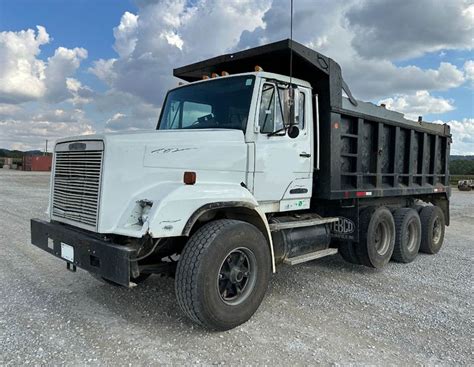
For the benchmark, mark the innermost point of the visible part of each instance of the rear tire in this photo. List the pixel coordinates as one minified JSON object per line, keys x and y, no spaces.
{"x":223,"y":273}
{"x":408,"y":235}
{"x":377,"y":237}
{"x":432,"y":229}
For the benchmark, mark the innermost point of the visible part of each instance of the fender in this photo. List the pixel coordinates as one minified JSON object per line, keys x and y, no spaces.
{"x":169,"y":216}
{"x":233,"y":204}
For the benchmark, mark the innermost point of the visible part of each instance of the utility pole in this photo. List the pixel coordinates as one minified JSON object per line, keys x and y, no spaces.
{"x":46,"y":149}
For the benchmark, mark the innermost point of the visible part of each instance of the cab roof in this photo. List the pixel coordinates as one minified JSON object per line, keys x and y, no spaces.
{"x":322,"y":72}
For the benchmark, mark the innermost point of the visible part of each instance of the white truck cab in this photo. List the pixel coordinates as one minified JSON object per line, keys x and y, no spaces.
{"x":228,"y":133}
{"x":224,"y":189}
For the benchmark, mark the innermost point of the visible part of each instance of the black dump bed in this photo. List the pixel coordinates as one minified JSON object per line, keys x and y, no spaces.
{"x":366,"y":150}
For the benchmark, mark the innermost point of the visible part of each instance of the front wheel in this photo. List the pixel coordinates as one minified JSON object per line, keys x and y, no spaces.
{"x":223,"y":273}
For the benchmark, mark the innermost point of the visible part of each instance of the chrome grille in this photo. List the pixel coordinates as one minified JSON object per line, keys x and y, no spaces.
{"x":77,"y":185}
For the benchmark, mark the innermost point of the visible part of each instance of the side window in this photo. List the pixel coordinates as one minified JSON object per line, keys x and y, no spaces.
{"x":271,"y":115}
{"x":301,"y":111}
{"x":267,"y":109}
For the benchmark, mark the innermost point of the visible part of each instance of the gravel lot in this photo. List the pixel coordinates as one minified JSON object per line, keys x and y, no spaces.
{"x":325,"y":311}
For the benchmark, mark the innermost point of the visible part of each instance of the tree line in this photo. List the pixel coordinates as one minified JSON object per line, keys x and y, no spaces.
{"x":461,"y":167}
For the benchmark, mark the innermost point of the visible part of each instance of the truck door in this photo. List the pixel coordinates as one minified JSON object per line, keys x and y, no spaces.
{"x":283,"y":165}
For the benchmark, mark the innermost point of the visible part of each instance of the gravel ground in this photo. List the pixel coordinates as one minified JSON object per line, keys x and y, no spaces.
{"x":321,"y":312}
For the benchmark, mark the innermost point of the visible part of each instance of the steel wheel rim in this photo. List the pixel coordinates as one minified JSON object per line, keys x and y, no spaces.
{"x":436,"y":230}
{"x":382,"y":238}
{"x":411,"y":236}
{"x":237,"y":276}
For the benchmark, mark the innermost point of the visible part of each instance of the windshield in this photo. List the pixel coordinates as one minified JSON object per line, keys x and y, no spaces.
{"x":221,"y":103}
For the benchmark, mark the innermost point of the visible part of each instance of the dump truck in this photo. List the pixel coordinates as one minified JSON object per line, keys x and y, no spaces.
{"x":253,"y":165}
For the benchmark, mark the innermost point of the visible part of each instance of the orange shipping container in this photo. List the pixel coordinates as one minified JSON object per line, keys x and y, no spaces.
{"x":37,"y":163}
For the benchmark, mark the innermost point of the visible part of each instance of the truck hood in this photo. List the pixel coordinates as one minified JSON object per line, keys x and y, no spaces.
{"x":204,"y":149}
{"x":150,"y":165}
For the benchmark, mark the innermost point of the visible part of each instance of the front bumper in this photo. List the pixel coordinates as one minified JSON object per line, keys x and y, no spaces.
{"x":106,"y":259}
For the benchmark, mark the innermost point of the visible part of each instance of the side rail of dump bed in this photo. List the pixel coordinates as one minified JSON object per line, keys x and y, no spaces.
{"x":376,"y":157}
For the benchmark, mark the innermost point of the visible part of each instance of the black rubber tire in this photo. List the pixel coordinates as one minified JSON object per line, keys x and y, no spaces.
{"x":431,"y":216}
{"x":347,"y":249}
{"x":408,"y":235}
{"x":369,"y":221}
{"x":198,"y":269}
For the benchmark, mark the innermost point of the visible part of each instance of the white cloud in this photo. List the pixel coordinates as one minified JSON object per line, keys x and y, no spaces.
{"x":21,"y":73}
{"x":59,"y":115}
{"x":331,"y":33}
{"x":80,"y":95}
{"x":62,"y":65}
{"x":133,"y":114}
{"x":374,"y":79}
{"x":420,"y":103}
{"x":121,"y":121}
{"x":469,"y":70}
{"x":173,"y":39}
{"x":405,"y":28}
{"x":30,"y":130}
{"x":164,"y":35}
{"x":104,"y":70}
{"x":125,"y":34}
{"x":25,"y":77}
{"x":8,"y":109}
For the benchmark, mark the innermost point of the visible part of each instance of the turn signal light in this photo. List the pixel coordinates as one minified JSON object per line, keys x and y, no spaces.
{"x":189,"y":178}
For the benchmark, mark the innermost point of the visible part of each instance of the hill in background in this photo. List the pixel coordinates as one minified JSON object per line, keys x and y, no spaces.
{"x":6,"y":153}
{"x":461,"y":158}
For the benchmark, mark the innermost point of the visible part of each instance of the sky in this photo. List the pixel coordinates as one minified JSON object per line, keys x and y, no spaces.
{"x":88,"y":66}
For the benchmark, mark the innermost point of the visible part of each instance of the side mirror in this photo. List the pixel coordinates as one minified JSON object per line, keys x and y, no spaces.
{"x":291,"y":106}
{"x":293,"y":131}
{"x":296,"y":106}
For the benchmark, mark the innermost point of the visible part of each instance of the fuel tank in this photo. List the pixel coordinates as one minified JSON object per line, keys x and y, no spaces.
{"x":292,"y":242}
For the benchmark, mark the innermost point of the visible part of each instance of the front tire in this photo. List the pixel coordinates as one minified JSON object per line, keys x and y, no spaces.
{"x":223,"y":274}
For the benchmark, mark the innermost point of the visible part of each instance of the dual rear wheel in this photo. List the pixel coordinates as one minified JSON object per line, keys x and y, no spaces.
{"x":398,"y":236}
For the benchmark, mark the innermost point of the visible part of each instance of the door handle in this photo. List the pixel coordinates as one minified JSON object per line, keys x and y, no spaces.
{"x":305,"y":155}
